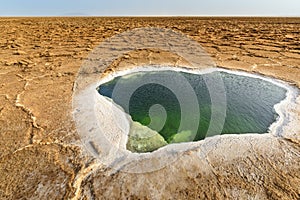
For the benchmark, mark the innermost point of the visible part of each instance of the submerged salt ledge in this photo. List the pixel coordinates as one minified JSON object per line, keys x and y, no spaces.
{"x":104,"y":126}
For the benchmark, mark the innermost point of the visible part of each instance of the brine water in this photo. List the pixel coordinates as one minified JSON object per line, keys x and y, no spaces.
{"x":249,"y":104}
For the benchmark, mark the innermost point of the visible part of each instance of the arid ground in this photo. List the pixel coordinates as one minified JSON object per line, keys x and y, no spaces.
{"x":41,"y":154}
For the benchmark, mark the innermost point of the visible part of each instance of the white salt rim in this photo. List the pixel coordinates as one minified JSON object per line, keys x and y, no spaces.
{"x":114,"y":156}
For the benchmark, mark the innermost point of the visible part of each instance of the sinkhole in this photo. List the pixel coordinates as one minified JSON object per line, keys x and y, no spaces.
{"x":160,"y":117}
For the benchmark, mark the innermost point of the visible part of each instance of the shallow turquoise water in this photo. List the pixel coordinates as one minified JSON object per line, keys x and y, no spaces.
{"x":249,"y":103}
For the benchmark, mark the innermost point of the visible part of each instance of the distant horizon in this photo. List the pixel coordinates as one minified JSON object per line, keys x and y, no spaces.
{"x":132,"y":8}
{"x":287,"y":16}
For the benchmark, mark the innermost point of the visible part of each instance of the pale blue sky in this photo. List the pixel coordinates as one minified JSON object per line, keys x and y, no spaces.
{"x":149,"y":7}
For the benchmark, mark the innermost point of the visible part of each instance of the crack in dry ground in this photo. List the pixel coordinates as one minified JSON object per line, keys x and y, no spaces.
{"x":28,"y":111}
{"x":81,"y":176}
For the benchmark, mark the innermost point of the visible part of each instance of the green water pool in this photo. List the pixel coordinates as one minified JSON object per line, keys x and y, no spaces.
{"x":155,"y":109}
